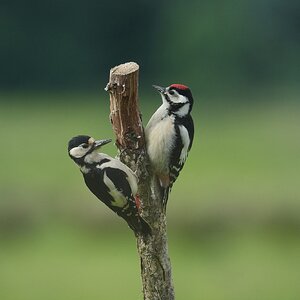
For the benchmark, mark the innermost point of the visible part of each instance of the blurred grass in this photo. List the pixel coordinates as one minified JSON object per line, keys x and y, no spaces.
{"x":234,"y":214}
{"x":64,"y":264}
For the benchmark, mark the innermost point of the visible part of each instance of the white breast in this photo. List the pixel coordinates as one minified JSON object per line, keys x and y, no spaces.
{"x":160,"y":140}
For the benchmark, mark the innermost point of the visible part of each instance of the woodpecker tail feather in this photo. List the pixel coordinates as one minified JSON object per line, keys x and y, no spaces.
{"x":139,"y":225}
{"x":165,"y":193}
{"x":165,"y":189}
{"x":165,"y":197}
{"x":145,"y":227}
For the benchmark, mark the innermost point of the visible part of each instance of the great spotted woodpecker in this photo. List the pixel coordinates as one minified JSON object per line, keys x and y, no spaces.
{"x":109,"y":180}
{"x":169,"y":135}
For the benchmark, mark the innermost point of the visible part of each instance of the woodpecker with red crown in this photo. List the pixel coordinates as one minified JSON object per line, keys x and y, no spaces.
{"x":169,"y":135}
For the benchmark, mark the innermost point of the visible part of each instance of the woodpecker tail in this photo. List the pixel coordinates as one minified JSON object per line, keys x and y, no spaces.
{"x":164,"y":193}
{"x":145,"y":227}
{"x":165,"y":196}
{"x":165,"y":183}
{"x":139,"y":225}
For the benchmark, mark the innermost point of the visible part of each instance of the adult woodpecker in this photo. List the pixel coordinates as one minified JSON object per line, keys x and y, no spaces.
{"x":109,"y":180}
{"x":169,"y":135}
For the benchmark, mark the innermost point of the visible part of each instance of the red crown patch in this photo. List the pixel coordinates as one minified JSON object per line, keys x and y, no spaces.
{"x":179,"y":86}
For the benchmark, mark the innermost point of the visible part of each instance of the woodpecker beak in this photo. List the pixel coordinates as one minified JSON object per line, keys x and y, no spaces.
{"x":160,"y":89}
{"x":99,"y":143}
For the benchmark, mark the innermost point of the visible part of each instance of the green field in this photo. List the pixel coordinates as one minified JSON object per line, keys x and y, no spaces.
{"x":60,"y":264}
{"x":233,"y":216}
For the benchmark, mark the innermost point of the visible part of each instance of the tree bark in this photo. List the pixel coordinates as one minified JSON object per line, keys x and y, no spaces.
{"x":127,"y":125}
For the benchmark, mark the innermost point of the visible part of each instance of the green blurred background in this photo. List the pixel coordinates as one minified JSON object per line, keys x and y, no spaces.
{"x":234,"y":213}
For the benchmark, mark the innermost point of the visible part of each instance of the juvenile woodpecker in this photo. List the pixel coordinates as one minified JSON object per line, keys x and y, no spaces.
{"x":169,"y":135}
{"x":109,"y":180}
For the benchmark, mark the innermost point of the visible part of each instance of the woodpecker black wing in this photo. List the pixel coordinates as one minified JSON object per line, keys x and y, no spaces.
{"x":111,"y":186}
{"x":184,"y":128}
{"x":188,"y":123}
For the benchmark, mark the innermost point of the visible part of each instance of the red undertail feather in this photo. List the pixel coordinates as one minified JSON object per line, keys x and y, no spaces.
{"x":137,"y":201}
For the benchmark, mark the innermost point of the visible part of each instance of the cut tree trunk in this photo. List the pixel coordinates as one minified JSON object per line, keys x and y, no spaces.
{"x":127,"y":124}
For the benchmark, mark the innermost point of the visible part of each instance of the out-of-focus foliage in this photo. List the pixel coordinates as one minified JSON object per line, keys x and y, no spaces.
{"x":209,"y":44}
{"x":233,"y":215}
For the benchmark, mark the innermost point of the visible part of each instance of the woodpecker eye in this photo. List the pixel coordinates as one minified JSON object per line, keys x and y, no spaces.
{"x":84,"y":145}
{"x":171,"y":92}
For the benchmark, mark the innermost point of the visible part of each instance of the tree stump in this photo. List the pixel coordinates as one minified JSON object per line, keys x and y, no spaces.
{"x":127,"y":124}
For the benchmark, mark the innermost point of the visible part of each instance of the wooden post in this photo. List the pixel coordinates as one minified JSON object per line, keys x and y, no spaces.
{"x":127,"y":125}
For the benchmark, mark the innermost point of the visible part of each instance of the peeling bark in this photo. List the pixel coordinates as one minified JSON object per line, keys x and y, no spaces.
{"x":127,"y":125}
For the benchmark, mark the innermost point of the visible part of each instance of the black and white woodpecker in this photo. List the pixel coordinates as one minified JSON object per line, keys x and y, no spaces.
{"x":169,"y":135}
{"x":109,"y":180}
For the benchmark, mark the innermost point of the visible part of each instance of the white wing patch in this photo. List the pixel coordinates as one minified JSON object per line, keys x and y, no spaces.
{"x":186,"y":142}
{"x":115,"y":163}
{"x":118,"y":198}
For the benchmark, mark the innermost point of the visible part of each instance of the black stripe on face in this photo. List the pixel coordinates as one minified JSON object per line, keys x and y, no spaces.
{"x":174,"y":104}
{"x":167,"y":98}
{"x":174,"y":107}
{"x":185,"y":92}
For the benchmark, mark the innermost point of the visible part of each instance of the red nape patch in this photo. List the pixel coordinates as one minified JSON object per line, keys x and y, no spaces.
{"x":179,"y":86}
{"x":137,"y":201}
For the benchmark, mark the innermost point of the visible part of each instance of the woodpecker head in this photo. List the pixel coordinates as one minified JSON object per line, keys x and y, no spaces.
{"x":82,"y":145}
{"x":178,"y":98}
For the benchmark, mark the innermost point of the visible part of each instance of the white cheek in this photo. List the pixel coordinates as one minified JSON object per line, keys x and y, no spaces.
{"x":77,"y":152}
{"x":178,"y":99}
